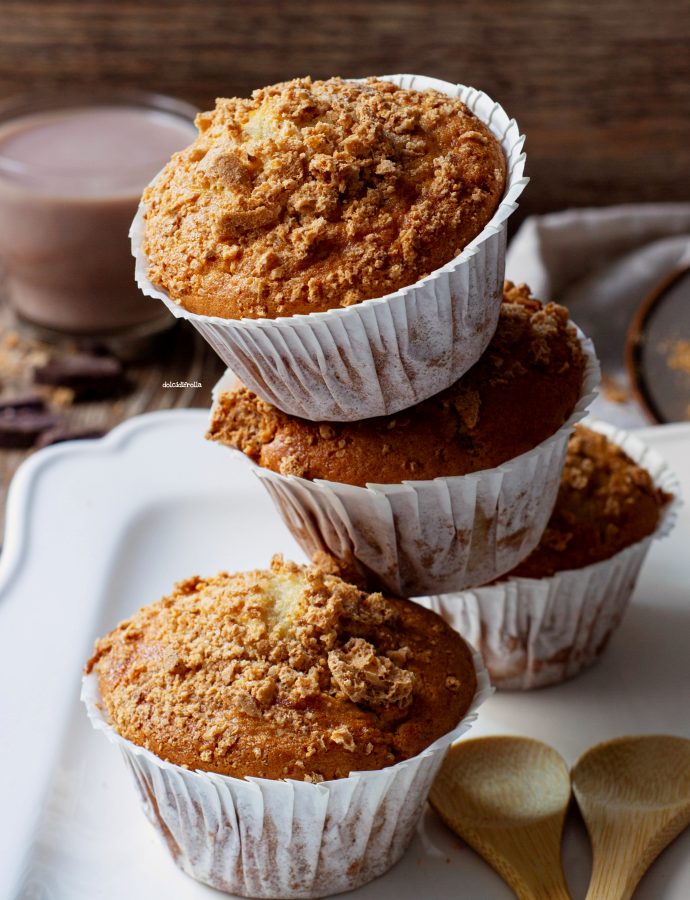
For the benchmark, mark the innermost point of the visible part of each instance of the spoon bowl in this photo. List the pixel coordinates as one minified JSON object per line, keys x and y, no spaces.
{"x":507,"y":798}
{"x":634,"y":795}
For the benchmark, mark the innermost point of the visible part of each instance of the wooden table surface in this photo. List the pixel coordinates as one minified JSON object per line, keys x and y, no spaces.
{"x":601,"y":88}
{"x":180,"y":354}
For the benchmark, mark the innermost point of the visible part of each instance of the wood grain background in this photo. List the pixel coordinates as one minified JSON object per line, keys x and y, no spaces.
{"x":600,"y":87}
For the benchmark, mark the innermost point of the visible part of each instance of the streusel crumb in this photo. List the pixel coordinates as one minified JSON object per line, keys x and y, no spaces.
{"x":290,"y":672}
{"x":314,"y":195}
{"x":606,"y":502}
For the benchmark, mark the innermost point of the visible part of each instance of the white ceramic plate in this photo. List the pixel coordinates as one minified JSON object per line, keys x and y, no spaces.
{"x":96,"y":529}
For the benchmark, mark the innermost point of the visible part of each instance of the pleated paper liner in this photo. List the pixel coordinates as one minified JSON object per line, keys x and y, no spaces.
{"x":537,"y":632}
{"x":263,"y":838}
{"x":437,"y":536}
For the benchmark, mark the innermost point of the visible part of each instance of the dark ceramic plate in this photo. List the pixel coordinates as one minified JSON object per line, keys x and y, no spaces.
{"x":658,"y":350}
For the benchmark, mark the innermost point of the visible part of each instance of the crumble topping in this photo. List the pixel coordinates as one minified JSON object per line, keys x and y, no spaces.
{"x":606,"y":502}
{"x":370,"y":679}
{"x":252,"y":665}
{"x":313,"y":195}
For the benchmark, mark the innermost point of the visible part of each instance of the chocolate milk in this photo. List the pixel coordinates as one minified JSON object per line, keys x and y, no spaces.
{"x":70,"y":182}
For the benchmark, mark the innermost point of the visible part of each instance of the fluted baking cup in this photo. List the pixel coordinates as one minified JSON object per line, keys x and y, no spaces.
{"x":382,"y":355}
{"x":535,"y":632}
{"x":262,"y":838}
{"x":437,"y":536}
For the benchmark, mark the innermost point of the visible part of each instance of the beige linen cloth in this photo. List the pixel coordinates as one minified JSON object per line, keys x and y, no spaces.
{"x":601,"y":264}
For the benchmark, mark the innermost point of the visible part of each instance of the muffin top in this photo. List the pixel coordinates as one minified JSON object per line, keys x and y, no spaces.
{"x":285,"y":673}
{"x":606,"y":502}
{"x":314,"y":195}
{"x":520,"y":392}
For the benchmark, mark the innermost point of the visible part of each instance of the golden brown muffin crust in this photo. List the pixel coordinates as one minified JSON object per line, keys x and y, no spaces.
{"x":314,"y":195}
{"x":290,"y":672}
{"x":519,"y":393}
{"x":606,"y":502}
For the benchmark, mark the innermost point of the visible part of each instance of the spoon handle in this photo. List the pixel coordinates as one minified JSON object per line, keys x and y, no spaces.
{"x":611,"y":876}
{"x":624,"y":846}
{"x":542,"y":890}
{"x":527,"y":858}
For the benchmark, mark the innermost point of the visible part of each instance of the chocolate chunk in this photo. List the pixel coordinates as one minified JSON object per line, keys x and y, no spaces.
{"x":28,"y":402}
{"x":92,"y":347}
{"x":62,"y":433}
{"x":90,"y":377}
{"x":19,"y":428}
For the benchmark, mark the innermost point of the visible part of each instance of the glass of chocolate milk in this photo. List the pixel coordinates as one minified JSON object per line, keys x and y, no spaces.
{"x":72,"y":169}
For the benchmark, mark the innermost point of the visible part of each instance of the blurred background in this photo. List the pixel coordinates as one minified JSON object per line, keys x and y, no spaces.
{"x":600,"y":87}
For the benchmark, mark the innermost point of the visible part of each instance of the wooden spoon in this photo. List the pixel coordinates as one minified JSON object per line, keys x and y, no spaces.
{"x":507,"y":798}
{"x":634,"y":794}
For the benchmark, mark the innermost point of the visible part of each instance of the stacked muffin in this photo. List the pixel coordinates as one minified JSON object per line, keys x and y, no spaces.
{"x":449,"y":493}
{"x":553,"y":614}
{"x":320,"y":197}
{"x":341,"y":245}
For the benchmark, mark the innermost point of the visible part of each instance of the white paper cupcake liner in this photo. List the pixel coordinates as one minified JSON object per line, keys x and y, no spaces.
{"x":537,"y":632}
{"x":382,"y":355}
{"x":262,"y":838}
{"x":438,"y":536}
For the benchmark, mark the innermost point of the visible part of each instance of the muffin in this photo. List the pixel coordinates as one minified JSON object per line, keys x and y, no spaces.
{"x":451,"y":493}
{"x":519,"y":393}
{"x":315,"y":195}
{"x":339,"y":243}
{"x":554,"y":613}
{"x":286,"y":673}
{"x":605,"y":503}
{"x":245,"y":704}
